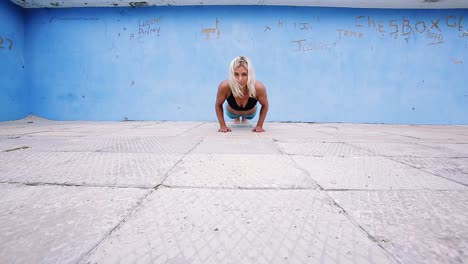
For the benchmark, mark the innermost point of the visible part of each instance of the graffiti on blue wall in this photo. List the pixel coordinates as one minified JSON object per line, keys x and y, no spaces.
{"x":6,"y":43}
{"x":405,"y":27}
{"x":212,"y":30}
{"x":432,"y":29}
{"x":147,"y":28}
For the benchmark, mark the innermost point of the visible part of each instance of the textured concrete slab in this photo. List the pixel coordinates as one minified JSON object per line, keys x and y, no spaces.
{"x":286,"y":131}
{"x":210,"y":129}
{"x":160,"y":129}
{"x":416,"y":132}
{"x":12,"y":130}
{"x":153,"y":144}
{"x":49,"y":144}
{"x":406,"y":150}
{"x":89,"y":129}
{"x":459,"y":149}
{"x":238,"y":171}
{"x":223,"y":145}
{"x":238,"y":197}
{"x":237,"y":226}
{"x":362,"y":132}
{"x":321,"y":149}
{"x":121,"y":144}
{"x":364,"y":138}
{"x":414,"y":226}
{"x":453,"y":169}
{"x":86,"y":168}
{"x":45,"y":224}
{"x":370,"y":173}
{"x":451,"y":134}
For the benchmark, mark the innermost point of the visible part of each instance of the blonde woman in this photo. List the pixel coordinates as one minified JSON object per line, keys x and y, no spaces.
{"x":242,"y":92}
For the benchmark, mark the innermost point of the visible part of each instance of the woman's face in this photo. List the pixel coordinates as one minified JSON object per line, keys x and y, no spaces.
{"x":240,"y":73}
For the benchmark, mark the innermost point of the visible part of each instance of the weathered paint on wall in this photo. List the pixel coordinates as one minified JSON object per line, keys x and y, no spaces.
{"x":318,"y":64}
{"x":13,"y":92}
{"x":399,"y":4}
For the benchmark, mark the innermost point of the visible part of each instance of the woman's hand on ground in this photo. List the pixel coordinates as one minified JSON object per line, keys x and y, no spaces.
{"x":224,"y":129}
{"x":258,"y":129}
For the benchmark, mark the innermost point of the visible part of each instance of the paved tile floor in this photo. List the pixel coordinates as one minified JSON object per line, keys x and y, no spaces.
{"x":180,"y":192}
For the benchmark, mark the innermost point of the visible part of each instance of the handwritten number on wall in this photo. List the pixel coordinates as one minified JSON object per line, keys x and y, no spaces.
{"x":10,"y":45}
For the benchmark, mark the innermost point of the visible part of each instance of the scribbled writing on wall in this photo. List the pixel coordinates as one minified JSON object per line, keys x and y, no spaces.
{"x":303,"y":25}
{"x":436,"y":38}
{"x":303,"y":28}
{"x":405,"y":28}
{"x":304,"y":45}
{"x":349,"y":34}
{"x":209,"y":31}
{"x":148,"y":28}
{"x":6,"y":43}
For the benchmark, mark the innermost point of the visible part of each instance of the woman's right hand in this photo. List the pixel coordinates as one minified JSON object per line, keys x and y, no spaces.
{"x":224,"y":129}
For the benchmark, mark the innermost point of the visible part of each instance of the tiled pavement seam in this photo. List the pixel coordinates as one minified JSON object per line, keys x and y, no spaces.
{"x":125,"y":218}
{"x":131,"y":212}
{"x":381,"y":241}
{"x":188,"y":187}
{"x":396,"y":159}
{"x":134,"y":210}
{"x":346,"y":214}
{"x":221,"y":215}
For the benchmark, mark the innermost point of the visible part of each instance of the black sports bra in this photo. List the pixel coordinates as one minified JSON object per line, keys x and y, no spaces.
{"x":233,"y":104}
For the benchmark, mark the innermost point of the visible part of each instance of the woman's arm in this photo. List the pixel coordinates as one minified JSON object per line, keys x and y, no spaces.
{"x":263,"y":100}
{"x":223,"y":93}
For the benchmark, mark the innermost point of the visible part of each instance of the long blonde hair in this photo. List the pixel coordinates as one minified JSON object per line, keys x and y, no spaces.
{"x":236,"y":89}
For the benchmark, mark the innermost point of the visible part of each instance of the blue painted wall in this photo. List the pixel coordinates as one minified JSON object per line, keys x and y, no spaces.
{"x":318,"y":64}
{"x":13,"y":91}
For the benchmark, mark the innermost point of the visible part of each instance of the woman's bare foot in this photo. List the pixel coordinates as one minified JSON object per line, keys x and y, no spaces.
{"x":236,"y":120}
{"x":245,"y":121}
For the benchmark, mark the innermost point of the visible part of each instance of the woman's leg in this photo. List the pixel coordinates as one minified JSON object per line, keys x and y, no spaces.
{"x":236,"y":115}
{"x":246,"y":118}
{"x":233,"y":116}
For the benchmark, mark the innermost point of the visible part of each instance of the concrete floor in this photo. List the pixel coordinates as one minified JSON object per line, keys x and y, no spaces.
{"x":180,"y":192}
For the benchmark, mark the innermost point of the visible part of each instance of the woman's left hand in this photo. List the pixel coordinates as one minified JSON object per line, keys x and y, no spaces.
{"x":258,"y":129}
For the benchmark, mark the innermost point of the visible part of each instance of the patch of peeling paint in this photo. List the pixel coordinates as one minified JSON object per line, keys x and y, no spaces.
{"x":425,"y":4}
{"x":138,"y":4}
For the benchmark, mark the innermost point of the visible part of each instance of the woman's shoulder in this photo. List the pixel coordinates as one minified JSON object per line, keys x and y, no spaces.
{"x":224,"y":88}
{"x":259,"y":85}
{"x":224,"y":85}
